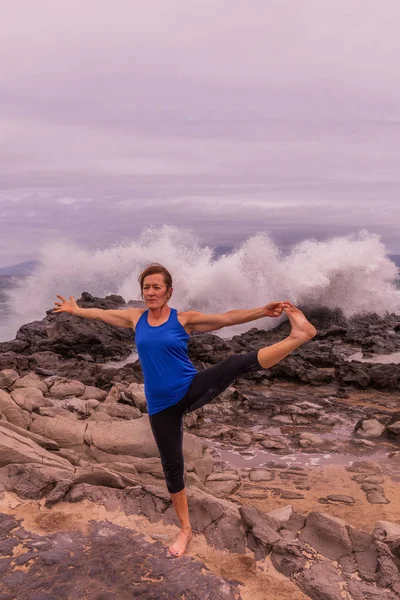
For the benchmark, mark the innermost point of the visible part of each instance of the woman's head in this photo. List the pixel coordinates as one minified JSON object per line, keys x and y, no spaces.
{"x":155,"y":285}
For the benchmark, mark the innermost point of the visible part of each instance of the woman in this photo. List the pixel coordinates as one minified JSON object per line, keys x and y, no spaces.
{"x":173,"y":387}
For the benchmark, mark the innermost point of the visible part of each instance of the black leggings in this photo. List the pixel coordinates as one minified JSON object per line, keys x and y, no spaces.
{"x":167,"y":425}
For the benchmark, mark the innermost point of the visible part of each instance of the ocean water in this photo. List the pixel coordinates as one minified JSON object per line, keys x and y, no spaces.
{"x":351,"y":272}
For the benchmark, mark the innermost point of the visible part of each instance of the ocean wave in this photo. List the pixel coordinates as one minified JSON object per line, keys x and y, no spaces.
{"x":352,"y":273}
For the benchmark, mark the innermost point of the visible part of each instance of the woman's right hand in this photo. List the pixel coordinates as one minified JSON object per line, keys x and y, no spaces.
{"x":65,"y":306}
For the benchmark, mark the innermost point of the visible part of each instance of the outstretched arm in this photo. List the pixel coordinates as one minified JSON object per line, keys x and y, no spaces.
{"x":119,"y":318}
{"x":202,"y":322}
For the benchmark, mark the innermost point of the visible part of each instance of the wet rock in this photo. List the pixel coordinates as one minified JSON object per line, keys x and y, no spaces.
{"x":376,"y":497}
{"x":307,"y":440}
{"x":261,"y":475}
{"x":370,"y":428}
{"x":255,"y":400}
{"x":353,"y":373}
{"x":374,"y":479}
{"x":237,"y":437}
{"x":278,"y":444}
{"x":208,"y":348}
{"x":367,"y":487}
{"x":385,"y":376}
{"x":363,"y":443}
{"x":283,"y":419}
{"x":365,"y":466}
{"x":340,"y":499}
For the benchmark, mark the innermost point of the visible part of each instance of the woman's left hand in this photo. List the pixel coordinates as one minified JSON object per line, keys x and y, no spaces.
{"x":275,"y":309}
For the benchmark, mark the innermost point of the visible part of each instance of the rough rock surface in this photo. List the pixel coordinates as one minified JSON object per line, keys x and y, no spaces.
{"x":107,"y":563}
{"x":73,"y":428}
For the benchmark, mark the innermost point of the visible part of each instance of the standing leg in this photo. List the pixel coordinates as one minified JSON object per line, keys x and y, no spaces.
{"x":179,"y":500}
{"x":167,"y":427}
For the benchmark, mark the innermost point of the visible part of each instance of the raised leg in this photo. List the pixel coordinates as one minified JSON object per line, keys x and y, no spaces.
{"x":302,"y":331}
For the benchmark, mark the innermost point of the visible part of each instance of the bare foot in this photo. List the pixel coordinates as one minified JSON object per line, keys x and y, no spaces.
{"x":179,"y":546}
{"x":302,"y":330}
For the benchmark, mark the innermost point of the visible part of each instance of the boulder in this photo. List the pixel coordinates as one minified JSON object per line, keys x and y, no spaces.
{"x":281,"y":514}
{"x":30,"y":398}
{"x":394,"y":428}
{"x":353,"y":373}
{"x":119,"y":411}
{"x":31,"y":380}
{"x":327,"y":534}
{"x":321,"y":581}
{"x":93,"y":393}
{"x":261,"y":530}
{"x":38,"y":439}
{"x":136,"y":392}
{"x":261,"y":475}
{"x":64,"y":388}
{"x":370,"y":428}
{"x":223,"y":484}
{"x":7,"y":378}
{"x":12,"y":412}
{"x":307,"y":440}
{"x":67,"y":433}
{"x":17,"y":448}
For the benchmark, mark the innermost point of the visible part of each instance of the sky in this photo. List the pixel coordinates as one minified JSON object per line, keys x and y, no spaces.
{"x":225,"y":117}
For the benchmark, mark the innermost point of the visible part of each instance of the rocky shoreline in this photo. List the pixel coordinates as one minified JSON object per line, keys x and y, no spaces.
{"x":298,"y":465}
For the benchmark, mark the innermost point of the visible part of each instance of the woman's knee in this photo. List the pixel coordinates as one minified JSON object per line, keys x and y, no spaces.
{"x":174,"y":477}
{"x":175,"y":483}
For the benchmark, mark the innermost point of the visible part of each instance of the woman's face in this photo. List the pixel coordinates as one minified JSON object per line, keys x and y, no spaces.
{"x":155,"y":291}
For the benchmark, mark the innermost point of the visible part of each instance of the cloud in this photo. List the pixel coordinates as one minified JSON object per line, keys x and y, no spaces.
{"x":221,"y":116}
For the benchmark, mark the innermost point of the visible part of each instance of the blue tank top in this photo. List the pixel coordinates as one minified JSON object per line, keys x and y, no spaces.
{"x":166,"y":367}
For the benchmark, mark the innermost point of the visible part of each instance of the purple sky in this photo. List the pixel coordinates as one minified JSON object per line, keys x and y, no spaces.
{"x":225,"y":117}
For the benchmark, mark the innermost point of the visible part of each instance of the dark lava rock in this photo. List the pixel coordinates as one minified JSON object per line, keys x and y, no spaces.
{"x":261,"y":530}
{"x":110,"y":563}
{"x":71,"y":336}
{"x":321,"y":582}
{"x":353,"y":373}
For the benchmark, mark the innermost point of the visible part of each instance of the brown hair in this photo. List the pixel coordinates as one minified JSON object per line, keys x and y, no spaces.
{"x":152,"y":270}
